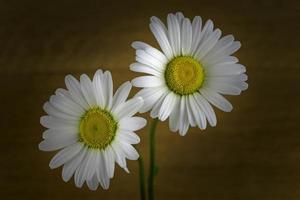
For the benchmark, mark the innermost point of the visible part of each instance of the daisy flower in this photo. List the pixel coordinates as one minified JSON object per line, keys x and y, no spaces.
{"x":192,"y":72}
{"x":92,"y":128}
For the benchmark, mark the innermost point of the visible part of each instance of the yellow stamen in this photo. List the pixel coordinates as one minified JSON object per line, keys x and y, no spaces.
{"x":97,"y":128}
{"x":184,"y":75}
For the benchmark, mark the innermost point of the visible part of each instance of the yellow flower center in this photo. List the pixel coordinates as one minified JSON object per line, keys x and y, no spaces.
{"x":97,"y":128}
{"x":184,"y":75}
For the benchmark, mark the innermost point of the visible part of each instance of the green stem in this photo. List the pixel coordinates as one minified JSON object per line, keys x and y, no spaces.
{"x":142,"y":178}
{"x":152,"y":167}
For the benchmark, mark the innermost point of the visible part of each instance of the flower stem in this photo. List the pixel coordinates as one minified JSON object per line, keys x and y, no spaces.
{"x":142,"y":178}
{"x":152,"y":167}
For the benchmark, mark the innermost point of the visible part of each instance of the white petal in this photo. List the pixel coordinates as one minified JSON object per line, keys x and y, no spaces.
{"x":147,"y":81}
{"x":142,"y":68}
{"x":132,"y":123}
{"x":196,"y":33}
{"x":108,"y":88}
{"x":65,"y":155}
{"x":167,"y":106}
{"x":190,"y":116}
{"x":147,"y":59}
{"x":174,"y":116}
{"x":52,"y":111}
{"x":217,"y":100}
{"x":208,"y":44}
{"x":157,"y":106}
{"x":75,"y":91}
{"x":180,"y":17}
{"x":87,"y":90}
{"x":129,"y":108}
{"x":109,"y":158}
{"x":121,"y":94}
{"x":79,"y":177}
{"x":225,"y":69}
{"x":162,"y":39}
{"x":66,"y":105}
{"x":150,"y":96}
{"x":57,"y":142}
{"x":186,"y":37}
{"x":183,"y":119}
{"x":222,"y":44}
{"x":99,"y":88}
{"x":139,"y":45}
{"x":174,"y":34}
{"x":70,"y":167}
{"x":119,"y":155}
{"x":56,"y":123}
{"x":57,"y":132}
{"x":197,"y":112}
{"x":102,"y":173}
{"x":128,"y":137}
{"x":223,"y":88}
{"x":129,"y":151}
{"x":93,"y":183}
{"x":207,"y":109}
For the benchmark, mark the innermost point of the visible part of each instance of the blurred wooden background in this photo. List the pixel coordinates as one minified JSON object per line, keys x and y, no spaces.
{"x":253,"y":153}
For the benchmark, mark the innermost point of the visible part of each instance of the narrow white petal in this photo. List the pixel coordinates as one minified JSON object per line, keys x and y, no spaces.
{"x":129,"y":108}
{"x":190,"y":116}
{"x":87,"y":90}
{"x":52,"y":111}
{"x":57,"y":142}
{"x":197,"y":112}
{"x":101,"y":172}
{"x":145,"y":58}
{"x":223,"y":88}
{"x":186,"y":37}
{"x":183,"y":119}
{"x":130,"y":152}
{"x":109,"y":158}
{"x":66,"y":105}
{"x":207,"y":109}
{"x":174,"y":34}
{"x":108,"y":85}
{"x":139,"y":45}
{"x":71,"y":166}
{"x":75,"y":91}
{"x":157,"y":106}
{"x":98,"y":88}
{"x":57,"y":132}
{"x":217,"y":100}
{"x":65,"y":155}
{"x":120,"y":156}
{"x":93,"y":183}
{"x":222,"y":44}
{"x":174,"y":116}
{"x":208,"y":44}
{"x":225,"y":69}
{"x":142,"y":68}
{"x":150,"y":96}
{"x":167,"y":106}
{"x":128,"y":137}
{"x":196,"y":33}
{"x":132,"y":123}
{"x":162,"y":39}
{"x":121,"y":95}
{"x":147,"y":81}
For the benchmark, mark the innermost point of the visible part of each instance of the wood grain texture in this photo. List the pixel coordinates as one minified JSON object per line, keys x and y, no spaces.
{"x":253,"y":153}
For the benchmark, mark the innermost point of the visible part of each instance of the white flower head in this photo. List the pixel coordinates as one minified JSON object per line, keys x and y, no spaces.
{"x":193,"y":70}
{"x":92,"y":127}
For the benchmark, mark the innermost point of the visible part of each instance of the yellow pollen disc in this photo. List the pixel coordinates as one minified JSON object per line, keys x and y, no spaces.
{"x":97,"y":128}
{"x":184,"y":75}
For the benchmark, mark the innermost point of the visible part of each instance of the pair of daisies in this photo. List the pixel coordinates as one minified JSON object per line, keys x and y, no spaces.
{"x":94,"y":128}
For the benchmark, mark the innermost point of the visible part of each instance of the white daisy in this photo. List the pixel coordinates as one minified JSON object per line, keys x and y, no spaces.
{"x":194,"y":70}
{"x":93,"y":128}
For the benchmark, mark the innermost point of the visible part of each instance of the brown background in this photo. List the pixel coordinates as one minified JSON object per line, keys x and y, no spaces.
{"x":253,"y":153}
